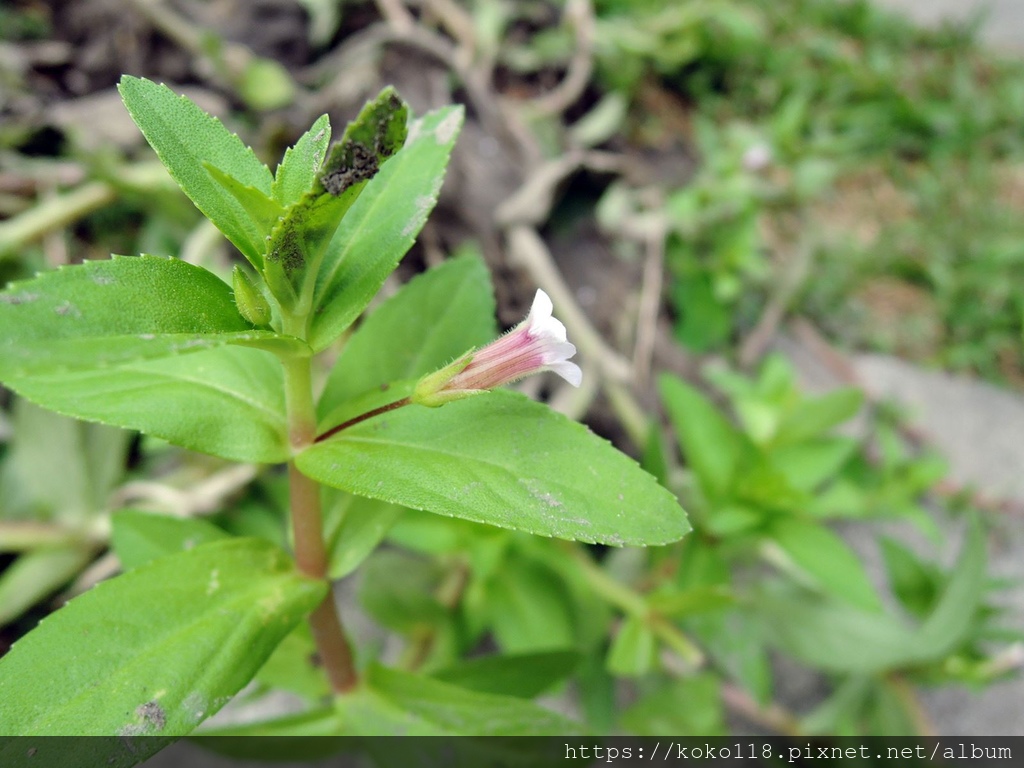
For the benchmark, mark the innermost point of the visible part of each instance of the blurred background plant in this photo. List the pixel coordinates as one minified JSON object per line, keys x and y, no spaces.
{"x":690,"y":182}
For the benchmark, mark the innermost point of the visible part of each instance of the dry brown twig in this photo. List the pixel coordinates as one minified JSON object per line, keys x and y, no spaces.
{"x":760,"y":337}
{"x":396,"y":15}
{"x":773,"y":717}
{"x":580,"y":15}
{"x":528,"y":250}
{"x":202,"y":498}
{"x":650,"y":303}
{"x":459,"y":24}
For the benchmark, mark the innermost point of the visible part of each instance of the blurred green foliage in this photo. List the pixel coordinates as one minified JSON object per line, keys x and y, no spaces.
{"x":794,"y":109}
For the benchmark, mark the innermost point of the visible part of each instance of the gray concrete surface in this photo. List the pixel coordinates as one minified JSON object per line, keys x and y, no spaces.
{"x":1002,"y":20}
{"x":979,"y":429}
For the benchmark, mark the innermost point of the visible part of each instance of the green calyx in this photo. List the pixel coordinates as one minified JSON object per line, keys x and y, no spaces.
{"x":430,"y":390}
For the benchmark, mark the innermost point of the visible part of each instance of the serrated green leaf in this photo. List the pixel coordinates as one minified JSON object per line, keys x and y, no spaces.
{"x":353,"y":527}
{"x":381,"y":225}
{"x":135,"y":665}
{"x":102,"y":314}
{"x":524,"y":675}
{"x":294,"y":666}
{"x":297,"y":243}
{"x":529,"y":608}
{"x":398,"y":588}
{"x":185,"y":139}
{"x":835,"y":637}
{"x":301,"y":165}
{"x":633,"y":650}
{"x":91,"y":457}
{"x":228,"y":402}
{"x":396,"y":703}
{"x":125,"y":341}
{"x":433,"y":319}
{"x":713,"y":448}
{"x":140,"y":537}
{"x":954,"y":613}
{"x":690,"y":601}
{"x":37,"y":574}
{"x":816,"y":416}
{"x":760,"y":485}
{"x":827,"y":560}
{"x":277,"y":740}
{"x":737,"y":643}
{"x":264,"y":210}
{"x":500,"y":459}
{"x":691,"y":706}
{"x":840,"y":714}
{"x":808,"y":464}
{"x":915,"y":583}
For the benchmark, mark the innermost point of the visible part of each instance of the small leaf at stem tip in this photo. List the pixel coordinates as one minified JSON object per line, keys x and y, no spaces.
{"x":381,"y":225}
{"x":374,"y":136}
{"x":298,"y":241}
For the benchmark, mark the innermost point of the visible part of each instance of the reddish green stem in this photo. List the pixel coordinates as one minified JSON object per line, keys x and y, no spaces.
{"x":362,"y":417}
{"x":307,"y":526}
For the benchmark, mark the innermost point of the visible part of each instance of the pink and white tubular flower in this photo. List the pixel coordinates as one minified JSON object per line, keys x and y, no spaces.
{"x":536,"y":344}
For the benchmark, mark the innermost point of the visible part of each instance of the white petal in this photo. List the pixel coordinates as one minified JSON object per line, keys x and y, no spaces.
{"x":568,"y":371}
{"x":540,"y":321}
{"x":541,"y":308}
{"x":557,"y":351}
{"x":548,"y":328}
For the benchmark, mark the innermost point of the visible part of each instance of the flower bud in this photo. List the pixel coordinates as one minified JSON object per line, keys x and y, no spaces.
{"x":536,"y":344}
{"x":252,"y":305}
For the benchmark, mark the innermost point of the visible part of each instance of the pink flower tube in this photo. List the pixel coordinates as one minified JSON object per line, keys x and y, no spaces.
{"x":536,"y":344}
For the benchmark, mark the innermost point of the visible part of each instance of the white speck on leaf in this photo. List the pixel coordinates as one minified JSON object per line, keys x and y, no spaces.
{"x":18,"y":298}
{"x":195,"y":706}
{"x":214,"y":583}
{"x":414,"y":132}
{"x":446,"y":129}
{"x":318,"y":155}
{"x":540,"y":494}
{"x":152,"y":719}
{"x":271,"y":603}
{"x":423,"y":205}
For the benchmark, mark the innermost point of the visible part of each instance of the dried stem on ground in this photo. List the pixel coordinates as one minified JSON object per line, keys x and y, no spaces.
{"x":580,"y":14}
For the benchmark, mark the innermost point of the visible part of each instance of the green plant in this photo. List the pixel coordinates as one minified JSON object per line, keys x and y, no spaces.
{"x":764,"y":490}
{"x":858,"y":121}
{"x":168,"y":348}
